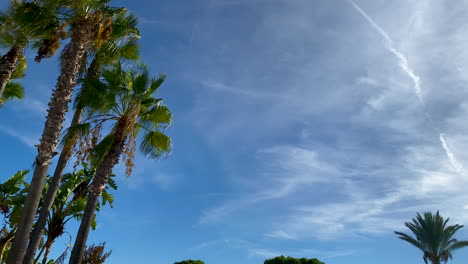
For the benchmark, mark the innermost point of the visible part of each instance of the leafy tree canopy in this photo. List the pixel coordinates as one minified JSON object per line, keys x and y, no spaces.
{"x":291,"y":260}
{"x":190,"y":261}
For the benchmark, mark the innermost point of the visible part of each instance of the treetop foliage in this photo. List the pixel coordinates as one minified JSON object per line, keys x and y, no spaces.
{"x":190,"y":261}
{"x":291,"y":260}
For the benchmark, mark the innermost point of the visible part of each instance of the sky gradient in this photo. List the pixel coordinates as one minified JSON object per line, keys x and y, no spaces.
{"x":304,"y":128}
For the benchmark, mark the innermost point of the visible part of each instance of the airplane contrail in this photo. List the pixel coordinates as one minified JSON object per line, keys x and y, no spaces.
{"x":455,"y":163}
{"x":404,"y":65}
{"x":391,"y":47}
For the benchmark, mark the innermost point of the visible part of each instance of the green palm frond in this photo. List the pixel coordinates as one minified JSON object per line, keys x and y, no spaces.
{"x":102,"y":149}
{"x":13,"y":90}
{"x":156,"y":83}
{"x":75,"y":132}
{"x":95,"y":95}
{"x":140,"y":79}
{"x":125,"y":25}
{"x":457,"y":245}
{"x":26,"y":21}
{"x":155,"y":145}
{"x":20,"y":68}
{"x":159,"y":117}
{"x":130,"y":50}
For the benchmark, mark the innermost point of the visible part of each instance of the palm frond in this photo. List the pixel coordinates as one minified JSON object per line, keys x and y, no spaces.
{"x":457,"y":245}
{"x":75,"y":132}
{"x":158,"y":117}
{"x":130,"y":50}
{"x":13,"y":90}
{"x":155,"y":145}
{"x":156,"y":83}
{"x":102,"y":149}
{"x":20,"y":68}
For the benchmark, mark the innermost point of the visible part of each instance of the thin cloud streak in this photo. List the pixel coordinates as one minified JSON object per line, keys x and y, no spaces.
{"x":404,"y":65}
{"x":28,"y":141}
{"x":455,"y":163}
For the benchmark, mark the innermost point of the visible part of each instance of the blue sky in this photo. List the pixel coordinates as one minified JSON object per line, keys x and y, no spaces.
{"x":303,"y":128}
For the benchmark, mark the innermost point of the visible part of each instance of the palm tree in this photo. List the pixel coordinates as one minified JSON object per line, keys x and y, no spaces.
{"x":433,"y":237}
{"x":21,"y":24}
{"x":122,"y":44}
{"x":70,"y":204}
{"x":89,"y":22}
{"x":131,"y":108}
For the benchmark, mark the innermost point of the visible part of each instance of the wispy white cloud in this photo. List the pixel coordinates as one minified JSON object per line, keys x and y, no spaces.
{"x":335,"y":137}
{"x":248,"y":94}
{"x":31,"y":106}
{"x":29,"y":141}
{"x":165,"y":181}
{"x":280,"y":234}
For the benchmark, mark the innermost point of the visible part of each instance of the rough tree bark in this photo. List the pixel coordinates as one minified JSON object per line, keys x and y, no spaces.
{"x":7,"y":65}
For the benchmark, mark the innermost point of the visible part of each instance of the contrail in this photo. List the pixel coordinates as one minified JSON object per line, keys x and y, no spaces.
{"x":404,"y":65}
{"x":391,"y":47}
{"x":455,"y":163}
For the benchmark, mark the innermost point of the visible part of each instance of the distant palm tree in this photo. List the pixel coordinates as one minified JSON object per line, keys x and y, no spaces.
{"x":433,"y":237}
{"x":125,"y":99}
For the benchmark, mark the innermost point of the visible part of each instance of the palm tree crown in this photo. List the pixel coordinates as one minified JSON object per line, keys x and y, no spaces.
{"x":124,"y":97}
{"x":433,"y":237}
{"x":22,"y":23}
{"x":124,"y":101}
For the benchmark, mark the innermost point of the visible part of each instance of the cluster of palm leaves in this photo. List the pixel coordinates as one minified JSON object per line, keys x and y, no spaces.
{"x":433,"y":236}
{"x":114,"y":109}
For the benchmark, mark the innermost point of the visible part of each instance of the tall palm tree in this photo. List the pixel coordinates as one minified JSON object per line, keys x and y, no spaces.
{"x":89,"y":19}
{"x":433,"y":237}
{"x":122,"y":44}
{"x":70,"y":204}
{"x":131,"y":108}
{"x":22,"y":23}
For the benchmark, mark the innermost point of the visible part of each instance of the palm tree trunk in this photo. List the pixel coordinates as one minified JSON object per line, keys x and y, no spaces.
{"x":99,"y":184}
{"x":50,"y":196}
{"x":8,"y":64}
{"x":93,"y":72}
{"x":39,"y":255}
{"x":71,"y":61}
{"x":47,"y":251}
